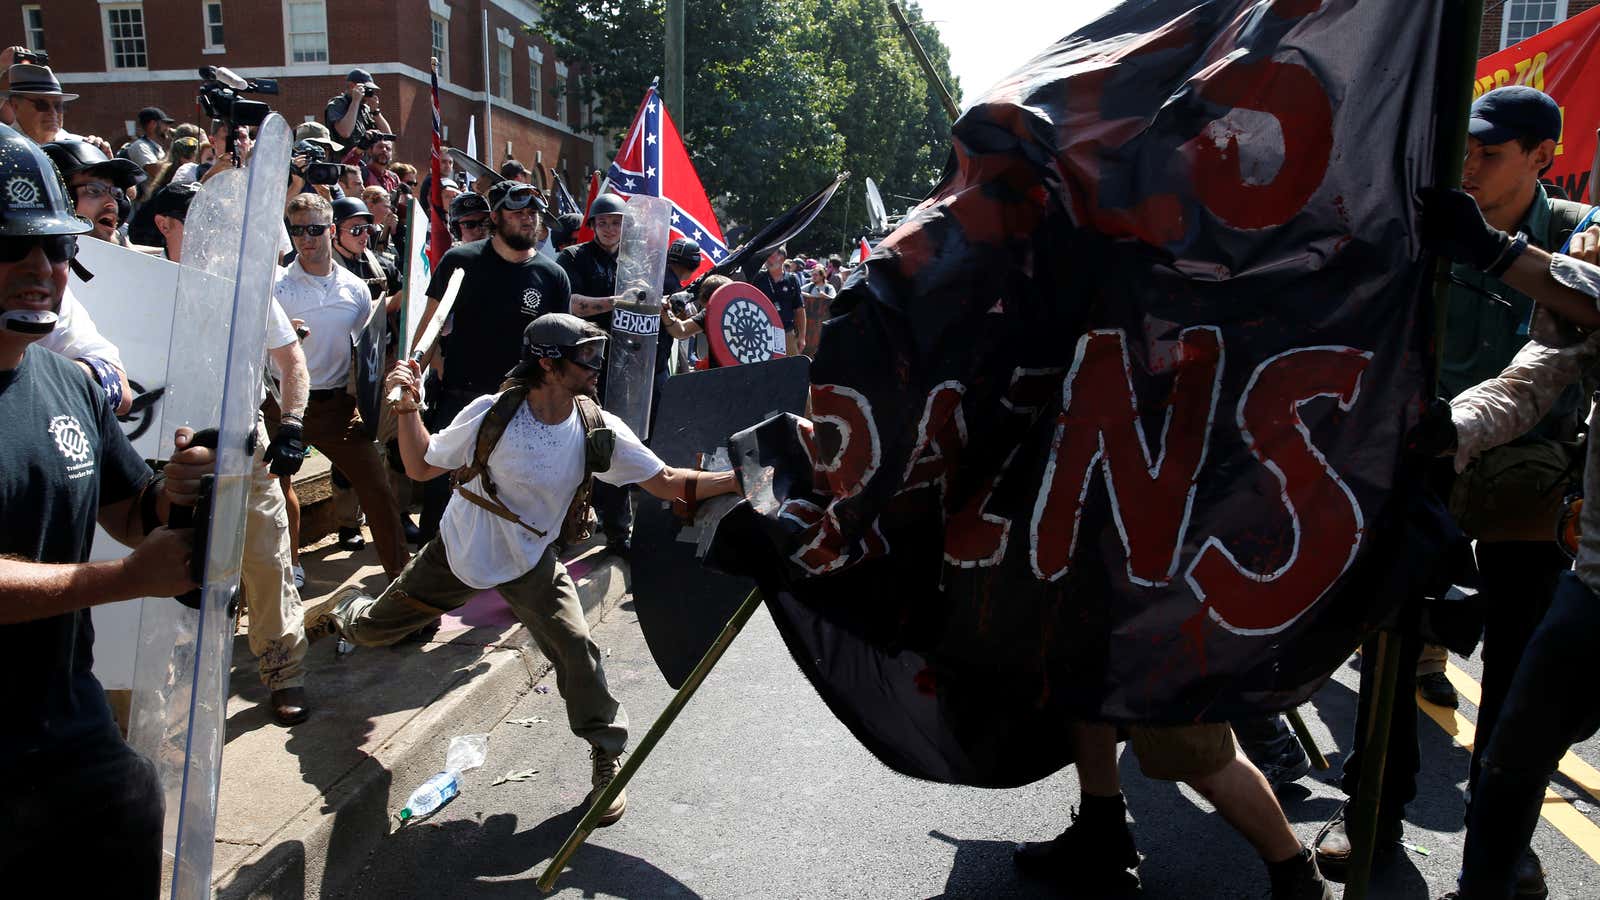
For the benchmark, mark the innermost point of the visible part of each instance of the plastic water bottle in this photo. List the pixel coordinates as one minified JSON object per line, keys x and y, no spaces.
{"x":434,"y":793}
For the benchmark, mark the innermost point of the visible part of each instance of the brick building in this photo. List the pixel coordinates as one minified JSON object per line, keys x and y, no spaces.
{"x":1507,"y":22}
{"x":122,"y":55}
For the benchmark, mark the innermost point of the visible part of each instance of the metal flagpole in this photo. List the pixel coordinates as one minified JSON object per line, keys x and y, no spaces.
{"x":647,"y":743}
{"x":1458,"y":51}
{"x":927,"y":64}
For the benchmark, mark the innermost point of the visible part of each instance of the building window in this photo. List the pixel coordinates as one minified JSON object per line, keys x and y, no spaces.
{"x":441,"y":45}
{"x":213,"y":14}
{"x":33,"y":27}
{"x":1522,"y":19}
{"x":306,"y":30}
{"x":503,"y":83}
{"x":536,"y":80}
{"x":125,"y":36}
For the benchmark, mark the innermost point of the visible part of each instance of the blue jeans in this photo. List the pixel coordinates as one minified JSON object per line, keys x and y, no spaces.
{"x":1539,"y":719}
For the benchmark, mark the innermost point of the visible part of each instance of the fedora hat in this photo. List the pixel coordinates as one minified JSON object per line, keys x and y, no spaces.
{"x":29,"y":79}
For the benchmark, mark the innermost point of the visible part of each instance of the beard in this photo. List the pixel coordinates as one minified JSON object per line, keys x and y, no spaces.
{"x":516,"y":240}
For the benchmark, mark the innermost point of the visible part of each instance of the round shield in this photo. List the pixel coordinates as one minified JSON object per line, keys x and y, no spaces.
{"x":743,"y":326}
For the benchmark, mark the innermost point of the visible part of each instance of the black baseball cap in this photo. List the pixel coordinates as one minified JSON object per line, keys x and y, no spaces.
{"x":511,"y":169}
{"x":466,"y":204}
{"x":1508,"y":113}
{"x":173,"y":200}
{"x":359,"y":76}
{"x":560,"y":336}
{"x":153,"y":114}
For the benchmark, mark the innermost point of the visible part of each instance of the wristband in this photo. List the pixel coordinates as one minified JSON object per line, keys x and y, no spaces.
{"x":1509,"y":255}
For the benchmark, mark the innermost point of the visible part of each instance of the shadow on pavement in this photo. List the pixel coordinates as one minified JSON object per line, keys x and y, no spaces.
{"x":492,"y":859}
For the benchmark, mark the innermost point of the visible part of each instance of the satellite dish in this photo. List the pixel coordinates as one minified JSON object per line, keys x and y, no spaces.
{"x":877,"y":217}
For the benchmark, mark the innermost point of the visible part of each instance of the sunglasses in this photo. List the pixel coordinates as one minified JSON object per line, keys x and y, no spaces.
{"x":312,"y":230}
{"x":58,"y":248}
{"x":44,"y":106}
{"x":359,"y":230}
{"x":474,"y":224}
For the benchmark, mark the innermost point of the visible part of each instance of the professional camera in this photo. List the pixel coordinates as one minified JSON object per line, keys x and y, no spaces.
{"x":219,"y":96}
{"x":39,"y":57}
{"x":372,"y":137}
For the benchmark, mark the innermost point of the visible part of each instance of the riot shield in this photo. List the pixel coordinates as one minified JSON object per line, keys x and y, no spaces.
{"x":368,"y":369}
{"x":636,"y":320}
{"x":743,"y":326}
{"x":216,"y":357}
{"x":699,"y":412}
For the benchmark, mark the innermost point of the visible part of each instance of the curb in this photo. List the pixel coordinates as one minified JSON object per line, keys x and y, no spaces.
{"x":310,"y":856}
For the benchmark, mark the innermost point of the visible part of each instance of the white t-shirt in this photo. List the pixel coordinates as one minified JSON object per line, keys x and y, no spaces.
{"x":335,"y":307}
{"x":186,"y":173}
{"x":537,"y":468}
{"x":75,"y":335}
{"x":146,"y":152}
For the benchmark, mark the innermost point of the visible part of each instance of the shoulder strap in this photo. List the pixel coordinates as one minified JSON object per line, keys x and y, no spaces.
{"x":489,"y":431}
{"x":589,"y":414}
{"x":1564,"y":217}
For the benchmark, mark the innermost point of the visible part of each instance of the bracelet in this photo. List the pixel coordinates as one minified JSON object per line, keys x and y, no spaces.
{"x":149,"y":519}
{"x":287,"y":418}
{"x":1507,"y":256}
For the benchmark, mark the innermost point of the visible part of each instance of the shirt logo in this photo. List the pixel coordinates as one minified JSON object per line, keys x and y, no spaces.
{"x":73,"y":443}
{"x":531,"y":299}
{"x":23,"y":192}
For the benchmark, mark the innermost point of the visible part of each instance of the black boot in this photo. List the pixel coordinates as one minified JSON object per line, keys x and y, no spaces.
{"x":1094,"y":857}
{"x":1297,"y":878}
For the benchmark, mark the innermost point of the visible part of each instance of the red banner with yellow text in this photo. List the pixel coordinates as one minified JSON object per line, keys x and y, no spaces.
{"x":1561,"y":62}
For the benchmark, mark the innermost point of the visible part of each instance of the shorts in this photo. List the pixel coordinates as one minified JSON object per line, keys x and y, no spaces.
{"x":1181,"y":752}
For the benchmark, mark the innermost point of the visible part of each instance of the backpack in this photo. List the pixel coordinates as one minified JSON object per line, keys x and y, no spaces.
{"x":598,"y":443}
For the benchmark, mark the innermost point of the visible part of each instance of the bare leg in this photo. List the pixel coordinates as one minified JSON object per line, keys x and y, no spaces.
{"x":1096,"y":746}
{"x":1240,"y":792}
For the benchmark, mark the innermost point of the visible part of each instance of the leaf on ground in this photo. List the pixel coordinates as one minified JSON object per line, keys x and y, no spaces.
{"x":524,"y":775}
{"x":529,"y":721}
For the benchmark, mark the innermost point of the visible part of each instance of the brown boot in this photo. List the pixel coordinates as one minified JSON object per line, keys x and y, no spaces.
{"x":289,"y":706}
{"x":606,"y":768}
{"x":1334,"y":844}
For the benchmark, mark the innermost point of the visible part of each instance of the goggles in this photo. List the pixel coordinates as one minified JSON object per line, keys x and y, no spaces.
{"x":520,"y":198}
{"x":312,"y":230}
{"x":58,"y":248}
{"x":590,"y":353}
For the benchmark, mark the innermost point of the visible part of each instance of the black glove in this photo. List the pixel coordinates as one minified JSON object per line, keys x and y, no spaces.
{"x":1435,"y":433}
{"x":287,"y":450}
{"x":1454,"y":227}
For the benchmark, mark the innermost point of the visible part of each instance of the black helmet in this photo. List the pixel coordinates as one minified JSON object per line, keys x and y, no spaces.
{"x":346,"y":207}
{"x":606,"y":204}
{"x":33,"y":201}
{"x":463,"y":205}
{"x":72,"y":157}
{"x":684,"y":252}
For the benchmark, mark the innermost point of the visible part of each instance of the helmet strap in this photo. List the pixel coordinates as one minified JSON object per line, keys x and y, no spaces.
{"x":36,"y":322}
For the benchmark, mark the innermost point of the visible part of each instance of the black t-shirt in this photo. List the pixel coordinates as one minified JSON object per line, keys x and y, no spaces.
{"x":498,"y":299}
{"x":65,"y":457}
{"x":335,"y":110}
{"x":593,"y":273}
{"x":387,"y":283}
{"x":784,"y":294}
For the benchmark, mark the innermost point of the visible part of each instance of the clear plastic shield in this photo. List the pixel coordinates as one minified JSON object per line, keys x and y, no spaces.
{"x":636,"y":320}
{"x":215,"y":363}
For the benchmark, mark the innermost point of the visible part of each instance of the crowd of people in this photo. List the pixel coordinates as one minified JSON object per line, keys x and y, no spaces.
{"x":501,"y":439}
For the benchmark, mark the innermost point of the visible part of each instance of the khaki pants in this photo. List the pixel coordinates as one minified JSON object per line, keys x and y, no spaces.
{"x":1432,"y":659}
{"x":1181,"y":752}
{"x":277,"y":626}
{"x":333,"y":426}
{"x":544,"y":599}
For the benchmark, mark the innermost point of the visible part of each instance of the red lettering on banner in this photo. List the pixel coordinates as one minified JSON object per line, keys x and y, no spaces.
{"x":841,"y":467}
{"x":1326,"y":521}
{"x":941,"y":434}
{"x":1290,"y":94}
{"x":1151,"y":494}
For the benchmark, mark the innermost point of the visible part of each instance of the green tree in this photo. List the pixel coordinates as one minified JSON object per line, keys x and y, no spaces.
{"x":779,"y":97}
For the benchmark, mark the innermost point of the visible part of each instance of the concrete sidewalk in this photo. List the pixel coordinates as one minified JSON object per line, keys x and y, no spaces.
{"x":301,"y":808}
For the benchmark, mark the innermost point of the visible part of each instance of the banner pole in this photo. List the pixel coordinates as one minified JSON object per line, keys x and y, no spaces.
{"x":1458,"y":49}
{"x":647,"y":743}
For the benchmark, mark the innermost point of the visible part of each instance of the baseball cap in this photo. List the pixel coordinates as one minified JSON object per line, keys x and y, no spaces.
{"x":315,"y":132}
{"x":359,"y":76}
{"x":464,"y":205}
{"x":559,"y":336}
{"x":173,"y":200}
{"x":153,"y":114}
{"x":512,"y":168}
{"x":1512,"y":112}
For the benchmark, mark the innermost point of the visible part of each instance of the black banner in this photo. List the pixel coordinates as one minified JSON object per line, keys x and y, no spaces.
{"x":1110,"y":427}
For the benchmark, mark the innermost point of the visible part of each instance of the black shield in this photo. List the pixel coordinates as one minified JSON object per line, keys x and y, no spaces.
{"x":368,"y":370}
{"x":682,"y":605}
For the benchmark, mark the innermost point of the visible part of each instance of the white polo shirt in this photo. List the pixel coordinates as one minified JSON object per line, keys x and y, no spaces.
{"x":335,"y":307}
{"x":537,"y":468}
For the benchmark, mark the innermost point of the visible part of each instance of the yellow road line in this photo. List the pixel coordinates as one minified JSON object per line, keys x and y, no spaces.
{"x":1579,"y":772}
{"x":1555,"y":809}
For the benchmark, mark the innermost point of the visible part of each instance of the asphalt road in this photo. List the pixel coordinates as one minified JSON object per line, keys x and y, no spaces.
{"x":758,"y":792}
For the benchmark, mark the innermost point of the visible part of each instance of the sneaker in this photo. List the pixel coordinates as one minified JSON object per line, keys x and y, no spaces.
{"x":1437,"y":689}
{"x":606,"y":768}
{"x":299,"y":576}
{"x":1093,"y":860}
{"x":331,"y":621}
{"x":1297,"y":878}
{"x":1530,"y":878}
{"x":351,"y":539}
{"x":1333,"y":848}
{"x":1290,"y":765}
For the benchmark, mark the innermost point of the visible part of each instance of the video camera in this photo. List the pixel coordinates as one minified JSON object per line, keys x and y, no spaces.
{"x":317,"y":169}
{"x":38,"y":57}
{"x":372,"y":137}
{"x":219,"y":96}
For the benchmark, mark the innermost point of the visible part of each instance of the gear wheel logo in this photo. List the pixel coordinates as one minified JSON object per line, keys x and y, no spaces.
{"x":23,"y":192}
{"x":70,"y":438}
